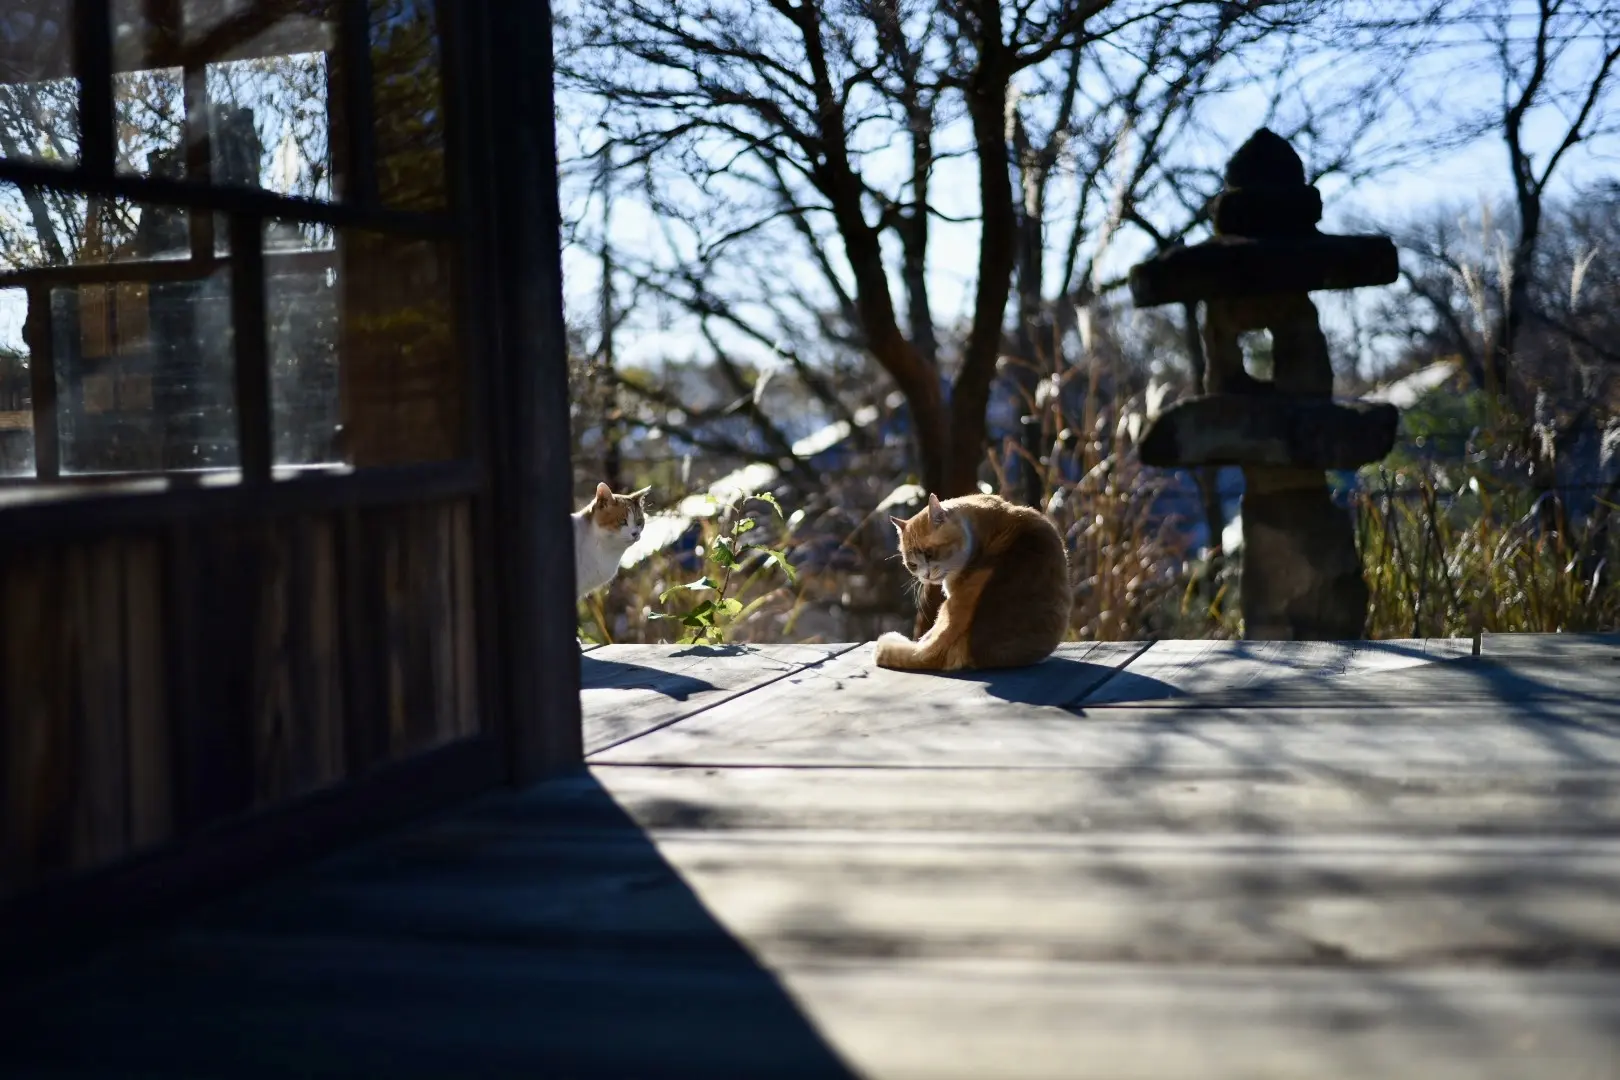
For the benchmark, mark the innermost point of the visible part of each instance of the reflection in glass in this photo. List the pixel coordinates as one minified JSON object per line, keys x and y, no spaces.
{"x":403,"y":376}
{"x":302,"y":314}
{"x":39,"y":98}
{"x":116,"y":342}
{"x":360,"y":333}
{"x":239,"y":92}
{"x":16,"y":391}
{"x":148,"y":93}
{"x":268,"y":124}
{"x":363,"y":357}
{"x":229,"y":92}
{"x":41,"y":228}
{"x":148,"y":118}
{"x":408,"y":103}
{"x":144,"y":375}
{"x":138,"y":338}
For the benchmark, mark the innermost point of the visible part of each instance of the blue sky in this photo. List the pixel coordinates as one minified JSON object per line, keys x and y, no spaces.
{"x":1451,"y":82}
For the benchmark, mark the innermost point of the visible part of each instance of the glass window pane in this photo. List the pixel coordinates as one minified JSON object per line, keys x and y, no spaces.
{"x":148,"y":121}
{"x":137,"y":341}
{"x":137,"y":337}
{"x":253,"y":94}
{"x":144,"y":375}
{"x":45,"y":228}
{"x":16,"y":390}
{"x":302,"y":313}
{"x":365,"y":366}
{"x":236,"y":92}
{"x":408,"y":103}
{"x":39,"y":97}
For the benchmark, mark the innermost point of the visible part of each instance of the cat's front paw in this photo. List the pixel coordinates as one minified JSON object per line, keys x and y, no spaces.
{"x":890,"y":647}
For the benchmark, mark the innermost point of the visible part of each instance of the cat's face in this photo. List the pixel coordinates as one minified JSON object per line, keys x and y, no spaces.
{"x":620,"y":516}
{"x":934,"y":543}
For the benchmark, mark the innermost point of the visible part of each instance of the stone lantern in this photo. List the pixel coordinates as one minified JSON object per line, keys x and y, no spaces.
{"x":1301,"y":573}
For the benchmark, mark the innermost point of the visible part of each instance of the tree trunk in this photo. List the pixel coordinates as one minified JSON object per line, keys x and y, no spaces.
{"x":968,"y":435}
{"x":1036,"y":358}
{"x":970,"y":396}
{"x":1032,"y":433}
{"x":1034,"y":332}
{"x":930,"y":426}
{"x":1500,"y":378}
{"x":914,"y":240}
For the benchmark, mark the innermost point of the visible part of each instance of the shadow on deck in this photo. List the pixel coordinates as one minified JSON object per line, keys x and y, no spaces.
{"x":1222,"y":859}
{"x":488,"y":943}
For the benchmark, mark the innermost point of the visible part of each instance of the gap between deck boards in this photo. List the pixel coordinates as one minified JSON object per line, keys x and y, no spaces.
{"x":647,"y":692}
{"x":718,"y":695}
{"x":763,"y":706}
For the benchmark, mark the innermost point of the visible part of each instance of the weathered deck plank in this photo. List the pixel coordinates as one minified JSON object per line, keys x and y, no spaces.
{"x":798,"y":895}
{"x":1587,"y":671}
{"x":846,"y":703}
{"x":330,"y":1008}
{"x":1190,"y":859}
{"x":1466,"y":684}
{"x":963,"y":1020}
{"x":1552,"y":649}
{"x":628,"y":690}
{"x":1267,"y":802}
{"x":1176,"y":670}
{"x":327,"y":1007}
{"x":1370,"y":740}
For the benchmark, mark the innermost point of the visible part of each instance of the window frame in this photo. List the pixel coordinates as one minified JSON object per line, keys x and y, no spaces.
{"x":502,"y":212}
{"x":50,"y":504}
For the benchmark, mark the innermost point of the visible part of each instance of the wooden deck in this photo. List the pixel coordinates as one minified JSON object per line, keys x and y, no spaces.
{"x":1189,"y":859}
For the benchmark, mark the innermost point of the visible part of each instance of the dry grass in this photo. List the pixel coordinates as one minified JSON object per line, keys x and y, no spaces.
{"x":1132,"y":577}
{"x":1449,"y":559}
{"x":1447,"y":550}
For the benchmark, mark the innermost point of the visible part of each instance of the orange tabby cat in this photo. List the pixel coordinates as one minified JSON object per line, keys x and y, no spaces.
{"x":1006,"y":578}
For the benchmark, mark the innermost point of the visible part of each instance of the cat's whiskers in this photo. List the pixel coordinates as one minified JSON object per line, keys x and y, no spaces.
{"x":914,"y":588}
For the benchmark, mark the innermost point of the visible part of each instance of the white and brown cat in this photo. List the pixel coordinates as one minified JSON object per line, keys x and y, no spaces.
{"x":603,"y":532}
{"x":1005,"y":574}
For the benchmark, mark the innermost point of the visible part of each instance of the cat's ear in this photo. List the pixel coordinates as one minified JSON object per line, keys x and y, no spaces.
{"x":899,"y":523}
{"x":936,"y":512}
{"x":604,"y":493}
{"x":640,"y":496}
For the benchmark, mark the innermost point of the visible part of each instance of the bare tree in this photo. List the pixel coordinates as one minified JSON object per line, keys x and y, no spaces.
{"x":851,"y":129}
{"x":1548,"y":71}
{"x":1557,"y":63}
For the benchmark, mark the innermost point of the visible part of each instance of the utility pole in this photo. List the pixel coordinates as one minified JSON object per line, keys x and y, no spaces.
{"x":612,"y":461}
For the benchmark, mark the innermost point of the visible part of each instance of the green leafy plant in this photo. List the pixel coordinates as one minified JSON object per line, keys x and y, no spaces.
{"x":732,"y":555}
